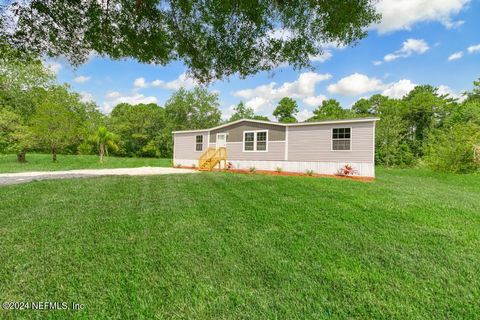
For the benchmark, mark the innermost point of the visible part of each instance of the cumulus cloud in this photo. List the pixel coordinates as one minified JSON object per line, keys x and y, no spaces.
{"x":403,"y":14}
{"x":455,"y":56}
{"x":304,"y":115}
{"x":409,"y":47}
{"x":264,"y":97}
{"x":355,"y":84}
{"x":140,"y":83}
{"x":183,"y":81}
{"x":399,"y":89}
{"x":86,"y":97}
{"x":326,"y":55}
{"x":81,"y":79}
{"x":314,"y":100}
{"x":445,"y":90}
{"x":113,"y":98}
{"x":303,"y":87}
{"x":473,"y":49}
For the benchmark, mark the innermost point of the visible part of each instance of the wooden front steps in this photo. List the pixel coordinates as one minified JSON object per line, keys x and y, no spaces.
{"x":211,"y":157}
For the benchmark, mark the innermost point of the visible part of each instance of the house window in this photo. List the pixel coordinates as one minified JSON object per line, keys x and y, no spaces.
{"x":255,"y":140}
{"x":341,"y":138}
{"x":249,"y":141}
{"x":198,"y":143}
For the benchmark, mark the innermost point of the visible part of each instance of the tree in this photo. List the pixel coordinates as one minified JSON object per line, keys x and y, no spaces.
{"x":244,"y":112}
{"x":55,"y":124}
{"x":104,"y":139}
{"x":330,"y":109}
{"x":23,"y":76}
{"x":453,"y":149}
{"x":195,"y":109}
{"x":139,"y":127}
{"x":369,"y":107}
{"x":286,"y":110}
{"x":214,"y":39}
{"x":14,"y":136}
{"x":424,"y":109}
{"x":474,"y":95}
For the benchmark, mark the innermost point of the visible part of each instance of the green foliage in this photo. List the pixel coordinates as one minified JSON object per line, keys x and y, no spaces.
{"x":454,"y":149}
{"x":56,"y":123}
{"x":241,"y":112}
{"x":286,"y":110}
{"x":330,"y":109}
{"x":138,"y":126}
{"x":105,"y":140}
{"x":14,"y":136}
{"x":207,"y":36}
{"x":85,"y":148}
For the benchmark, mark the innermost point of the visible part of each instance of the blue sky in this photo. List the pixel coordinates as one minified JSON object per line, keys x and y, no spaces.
{"x":417,"y":42}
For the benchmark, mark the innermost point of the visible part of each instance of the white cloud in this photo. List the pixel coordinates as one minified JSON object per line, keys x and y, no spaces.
{"x":473,"y":49}
{"x":53,"y":66}
{"x":355,"y":84}
{"x":86,"y":97}
{"x":377,"y":62}
{"x":157,"y":83}
{"x":326,"y":55}
{"x":140,"y":83}
{"x":399,"y":89}
{"x":303,"y":87}
{"x":304,"y":115}
{"x":403,"y":14}
{"x":408,"y":48}
{"x":183,"y":81}
{"x":314,"y":100}
{"x":113,"y":98}
{"x":455,"y":56}
{"x":81,"y":79}
{"x":445,"y":90}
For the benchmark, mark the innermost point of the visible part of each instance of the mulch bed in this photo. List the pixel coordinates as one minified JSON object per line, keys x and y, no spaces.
{"x":289,"y":174}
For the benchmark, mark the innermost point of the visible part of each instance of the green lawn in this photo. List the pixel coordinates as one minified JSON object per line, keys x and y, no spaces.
{"x":43,"y":162}
{"x":217,"y":245}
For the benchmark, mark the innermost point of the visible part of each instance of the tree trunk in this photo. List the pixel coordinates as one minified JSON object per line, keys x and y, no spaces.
{"x":21,"y":156}
{"x":54,"y":155}
{"x":101,"y":153}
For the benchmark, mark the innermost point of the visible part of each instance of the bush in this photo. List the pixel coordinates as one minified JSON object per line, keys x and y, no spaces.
{"x":278,"y":169}
{"x":85,"y":148}
{"x":252,"y":169}
{"x":453,"y":149}
{"x":309,"y":172}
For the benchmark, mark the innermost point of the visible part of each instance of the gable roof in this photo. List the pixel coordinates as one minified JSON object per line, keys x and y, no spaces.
{"x":340,"y":121}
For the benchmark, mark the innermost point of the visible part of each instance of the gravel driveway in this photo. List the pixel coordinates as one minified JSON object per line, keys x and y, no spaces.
{"x":23,"y":177}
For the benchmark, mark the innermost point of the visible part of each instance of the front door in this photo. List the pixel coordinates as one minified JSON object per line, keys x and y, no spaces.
{"x":221,"y":140}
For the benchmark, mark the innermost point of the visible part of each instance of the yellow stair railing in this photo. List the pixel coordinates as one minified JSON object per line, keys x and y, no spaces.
{"x":211,"y":157}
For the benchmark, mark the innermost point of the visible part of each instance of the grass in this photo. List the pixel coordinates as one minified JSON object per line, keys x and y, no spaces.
{"x":43,"y":162}
{"x":216,"y":245}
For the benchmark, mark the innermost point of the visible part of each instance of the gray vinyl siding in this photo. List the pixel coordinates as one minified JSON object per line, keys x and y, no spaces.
{"x":276,"y":151}
{"x":314,"y":143}
{"x":235,"y":131}
{"x":184,"y":145}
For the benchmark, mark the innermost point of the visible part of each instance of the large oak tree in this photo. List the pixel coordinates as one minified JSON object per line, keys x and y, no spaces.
{"x":214,"y":38}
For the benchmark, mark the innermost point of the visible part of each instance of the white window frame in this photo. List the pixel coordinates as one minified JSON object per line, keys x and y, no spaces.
{"x":331,"y":139}
{"x":255,"y":132}
{"x":195,"y":144}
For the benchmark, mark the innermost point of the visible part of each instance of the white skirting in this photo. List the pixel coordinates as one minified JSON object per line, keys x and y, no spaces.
{"x":363,"y":169}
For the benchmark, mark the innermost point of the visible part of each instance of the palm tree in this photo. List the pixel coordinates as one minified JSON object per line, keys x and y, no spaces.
{"x":104,"y":140}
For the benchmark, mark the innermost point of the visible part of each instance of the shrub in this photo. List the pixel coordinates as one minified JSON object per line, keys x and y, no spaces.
{"x":453,"y":149}
{"x":347,"y":170}
{"x":178,"y":165}
{"x":194,"y":165}
{"x":309,"y":172}
{"x":85,"y":148}
{"x":278,"y":169}
{"x":252,"y":169}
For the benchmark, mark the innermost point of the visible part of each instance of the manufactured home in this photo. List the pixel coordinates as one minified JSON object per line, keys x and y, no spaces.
{"x":323,"y":147}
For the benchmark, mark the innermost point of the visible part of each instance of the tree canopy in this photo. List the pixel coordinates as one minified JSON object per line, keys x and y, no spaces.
{"x":286,"y":110}
{"x":213,"y":38}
